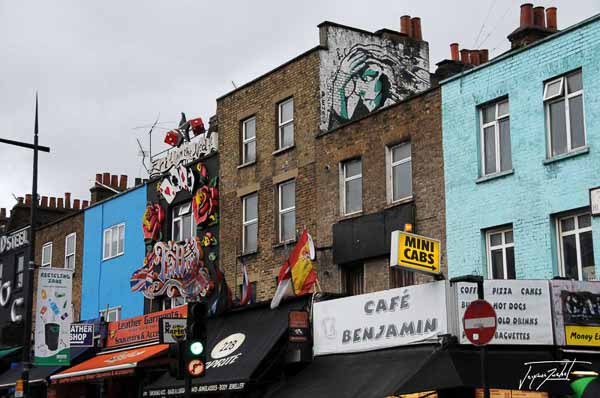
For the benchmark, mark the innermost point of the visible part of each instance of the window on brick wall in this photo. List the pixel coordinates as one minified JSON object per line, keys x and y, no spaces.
{"x":353,"y":279}
{"x":70,"y":251}
{"x":563,"y":103}
{"x":47,"y":255}
{"x":576,"y":246}
{"x":399,"y":170}
{"x":250,"y":223}
{"x":287,"y":211}
{"x":285,"y":135}
{"x":351,"y":186}
{"x":249,"y":140}
{"x":500,"y":253}
{"x":400,"y":277}
{"x":496,"y":155}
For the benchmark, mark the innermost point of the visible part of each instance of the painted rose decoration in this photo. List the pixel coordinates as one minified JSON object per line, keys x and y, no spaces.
{"x":205,"y":204}
{"x":153,"y":218}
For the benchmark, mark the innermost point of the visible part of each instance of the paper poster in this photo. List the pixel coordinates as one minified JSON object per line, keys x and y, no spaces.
{"x":53,"y":317}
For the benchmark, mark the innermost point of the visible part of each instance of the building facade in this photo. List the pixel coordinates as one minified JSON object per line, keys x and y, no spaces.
{"x":521,"y":154}
{"x":268,"y":130}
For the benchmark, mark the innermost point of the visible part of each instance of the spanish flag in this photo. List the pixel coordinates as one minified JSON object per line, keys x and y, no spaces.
{"x":297,"y":275}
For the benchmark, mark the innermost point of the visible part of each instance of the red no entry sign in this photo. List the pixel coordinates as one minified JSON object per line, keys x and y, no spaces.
{"x":479,"y":322}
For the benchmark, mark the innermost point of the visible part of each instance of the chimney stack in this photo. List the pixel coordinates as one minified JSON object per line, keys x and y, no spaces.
{"x":539,"y":17}
{"x":526,"y":15}
{"x":114,"y":181}
{"x":415,"y":24}
{"x":99,"y":178}
{"x":464,"y":56}
{"x":68,"y":200}
{"x":85,"y":204}
{"x":551,"y":19}
{"x":535,"y":24}
{"x":76,"y":204}
{"x":454,"y":51}
{"x":59,"y":203}
{"x":484,"y":56}
{"x":52,"y":202}
{"x":44,"y":201}
{"x":123,"y":182}
{"x":474,"y":57}
{"x":106,"y":179}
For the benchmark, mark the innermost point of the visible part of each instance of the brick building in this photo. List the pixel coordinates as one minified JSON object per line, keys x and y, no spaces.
{"x":268,"y":130}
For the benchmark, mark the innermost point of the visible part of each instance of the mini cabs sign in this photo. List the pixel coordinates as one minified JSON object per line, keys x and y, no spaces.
{"x":415,"y":252}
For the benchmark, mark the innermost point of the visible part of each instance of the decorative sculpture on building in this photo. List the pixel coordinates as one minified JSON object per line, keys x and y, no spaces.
{"x":154,"y":216}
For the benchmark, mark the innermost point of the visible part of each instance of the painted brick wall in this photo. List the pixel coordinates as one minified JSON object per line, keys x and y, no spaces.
{"x":530,"y":196}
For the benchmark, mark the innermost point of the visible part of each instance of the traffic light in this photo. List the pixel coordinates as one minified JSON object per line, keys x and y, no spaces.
{"x":195,"y":350}
{"x":176,"y":363}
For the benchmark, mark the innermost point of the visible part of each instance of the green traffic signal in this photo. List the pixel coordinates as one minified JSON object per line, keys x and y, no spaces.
{"x":196,"y":348}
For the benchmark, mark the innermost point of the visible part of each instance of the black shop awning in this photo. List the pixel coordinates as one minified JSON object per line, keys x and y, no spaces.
{"x":240,"y":344}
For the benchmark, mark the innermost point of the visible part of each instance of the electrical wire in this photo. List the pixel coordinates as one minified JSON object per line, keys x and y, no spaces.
{"x":490,"y":8}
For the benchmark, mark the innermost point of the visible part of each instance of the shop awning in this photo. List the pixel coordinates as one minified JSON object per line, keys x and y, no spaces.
{"x":117,"y":363}
{"x":6,"y":351}
{"x":240,"y":346}
{"x":37,"y":374}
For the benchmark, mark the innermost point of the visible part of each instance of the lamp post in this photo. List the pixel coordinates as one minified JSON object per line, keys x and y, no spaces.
{"x":28,"y":291}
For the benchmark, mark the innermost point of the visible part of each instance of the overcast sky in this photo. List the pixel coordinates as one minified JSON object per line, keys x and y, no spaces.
{"x":103,"y":68}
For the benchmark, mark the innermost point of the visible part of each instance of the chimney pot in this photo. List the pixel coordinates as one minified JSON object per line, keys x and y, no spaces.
{"x":454,"y":51}
{"x":106,"y":178}
{"x":76,"y":204}
{"x":44,"y":201}
{"x":99,"y":177}
{"x":526,"y":15}
{"x":464,"y":56}
{"x":539,"y":17}
{"x":68,"y":200}
{"x":123,"y":182}
{"x":415,"y":24}
{"x":59,"y":203}
{"x":3,"y":212}
{"x":405,"y":25}
{"x":85,"y":204}
{"x":551,"y":19}
{"x":114,"y":181}
{"x":28,"y":199}
{"x":484,"y":56}
{"x":474,"y":57}
{"x":52,"y":202}
{"x":138,"y":181}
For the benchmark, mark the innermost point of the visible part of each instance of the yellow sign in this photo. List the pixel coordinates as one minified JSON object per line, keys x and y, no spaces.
{"x":582,"y":335}
{"x":415,"y":252}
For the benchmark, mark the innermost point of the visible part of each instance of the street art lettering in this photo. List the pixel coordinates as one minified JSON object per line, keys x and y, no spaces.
{"x":154,"y":216}
{"x":180,"y":178}
{"x":365,"y":74}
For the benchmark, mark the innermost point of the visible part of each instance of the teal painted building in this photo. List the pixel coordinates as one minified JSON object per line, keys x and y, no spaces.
{"x":521,"y":140}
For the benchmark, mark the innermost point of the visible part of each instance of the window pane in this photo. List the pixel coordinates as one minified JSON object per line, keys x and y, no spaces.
{"x":508,"y":237}
{"x":497,"y":265}
{"x":46,"y":255}
{"x":586,"y":246}
{"x":489,"y":149}
{"x":576,"y":119}
{"x":489,"y":114}
{"x":287,"y":135}
{"x":503,"y":108}
{"x":567,"y":224}
{"x":250,"y":237}
{"x":250,"y":128}
{"x":353,"y":195}
{"x":184,"y":208}
{"x":122,"y":238}
{"x":400,"y":152}
{"x":188,"y":227}
{"x":510,"y":263}
{"x":558,"y":129}
{"x":574,"y":82}
{"x":70,"y":244}
{"x":496,"y":239}
{"x":352,"y":168}
{"x":570,"y":257}
{"x":505,"y":150}
{"x":287,"y":195}
{"x":584,"y":221}
{"x":114,"y":242}
{"x":287,"y":111}
{"x":177,"y":230}
{"x":251,"y":207}
{"x":250,"y":152}
{"x":70,"y":262}
{"x":20,"y":263}
{"x":553,"y":88}
{"x":288,"y":226}
{"x":402,"y":181}
{"x":107,"y":237}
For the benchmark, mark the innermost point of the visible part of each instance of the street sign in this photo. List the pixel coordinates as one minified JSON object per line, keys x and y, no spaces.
{"x":172,"y":330}
{"x":196,"y":367}
{"x":415,"y":252}
{"x":479,"y":322}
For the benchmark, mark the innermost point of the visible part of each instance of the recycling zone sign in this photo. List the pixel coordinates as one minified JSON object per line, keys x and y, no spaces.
{"x":415,"y":252}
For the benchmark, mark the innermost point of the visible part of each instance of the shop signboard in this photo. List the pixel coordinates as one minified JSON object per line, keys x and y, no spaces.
{"x":140,"y":329}
{"x":523,"y":310}
{"x":53,"y":317}
{"x":379,"y":320}
{"x":415,"y":252}
{"x":172,"y":330}
{"x":576,"y":308}
{"x":200,"y":146}
{"x":82,"y":335}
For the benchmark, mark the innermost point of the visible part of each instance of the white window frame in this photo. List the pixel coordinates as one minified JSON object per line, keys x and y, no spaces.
{"x":577,"y":232}
{"x":246,"y":223}
{"x":496,"y":124}
{"x":503,"y":246}
{"x":180,"y":217}
{"x":109,"y":231}
{"x":17,"y":272}
{"x":389,"y":153}
{"x":2,"y":272}
{"x":563,"y":95}
{"x":286,"y":210}
{"x":283,"y":123}
{"x":344,"y":180}
{"x":49,"y":262}
{"x":112,"y":310}
{"x":67,"y":255}
{"x":246,"y":141}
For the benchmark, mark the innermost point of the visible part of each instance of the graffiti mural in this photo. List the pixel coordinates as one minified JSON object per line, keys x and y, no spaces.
{"x":180,"y":178}
{"x":154,"y":216}
{"x":361,"y":73}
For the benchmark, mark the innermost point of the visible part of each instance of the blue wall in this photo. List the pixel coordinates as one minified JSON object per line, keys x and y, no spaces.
{"x":107,"y":282}
{"x":530,"y":196}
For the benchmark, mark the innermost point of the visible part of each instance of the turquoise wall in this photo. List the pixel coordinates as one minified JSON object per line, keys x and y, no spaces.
{"x":107,"y":282}
{"x":536,"y":190}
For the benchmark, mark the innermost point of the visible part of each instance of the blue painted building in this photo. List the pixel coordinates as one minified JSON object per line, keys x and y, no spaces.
{"x":114,"y":249}
{"x":521,"y":140}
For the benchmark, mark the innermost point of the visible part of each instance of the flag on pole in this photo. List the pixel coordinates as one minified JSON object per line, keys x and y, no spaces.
{"x":297,"y":275}
{"x":246,"y":286}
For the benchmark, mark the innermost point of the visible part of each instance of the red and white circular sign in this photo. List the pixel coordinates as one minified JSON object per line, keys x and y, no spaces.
{"x":479,"y":322}
{"x":196,"y":367}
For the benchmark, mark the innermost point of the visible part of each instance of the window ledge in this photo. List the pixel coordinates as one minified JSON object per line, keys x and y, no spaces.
{"x":351,"y":215}
{"x":579,"y":151}
{"x":504,"y":173}
{"x":248,"y":254}
{"x":282,"y":150}
{"x":400,"y":202}
{"x":241,"y":166}
{"x":288,"y":243}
